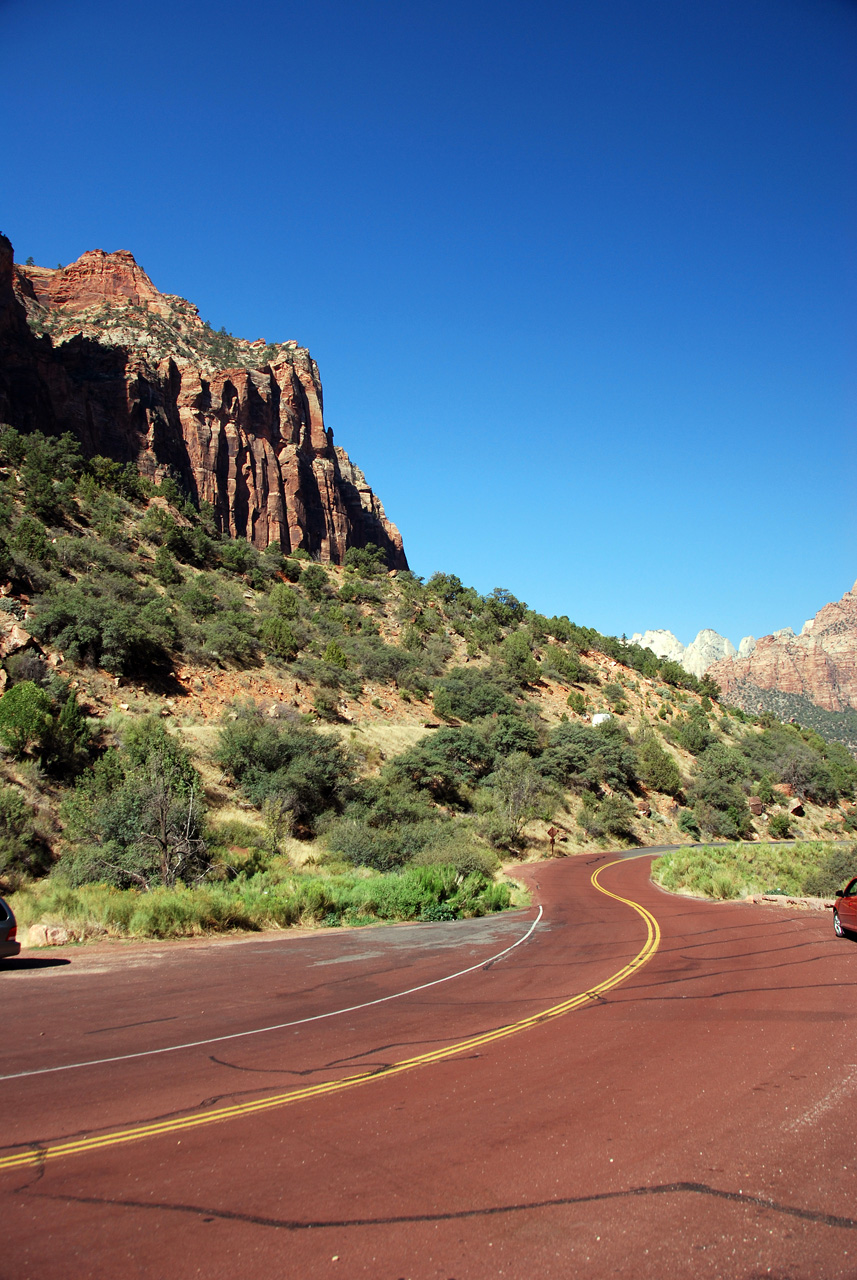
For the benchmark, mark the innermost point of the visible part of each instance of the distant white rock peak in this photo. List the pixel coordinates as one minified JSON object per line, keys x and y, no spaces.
{"x":662,"y":643}
{"x":708,"y":647}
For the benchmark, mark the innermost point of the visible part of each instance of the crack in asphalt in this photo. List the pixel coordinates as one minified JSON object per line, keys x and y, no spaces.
{"x":363,"y":1059}
{"x":126,"y":1026}
{"x":40,"y":1145}
{"x":817,"y":1216}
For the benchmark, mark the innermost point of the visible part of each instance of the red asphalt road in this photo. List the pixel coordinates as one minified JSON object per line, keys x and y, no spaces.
{"x":696,"y":1120}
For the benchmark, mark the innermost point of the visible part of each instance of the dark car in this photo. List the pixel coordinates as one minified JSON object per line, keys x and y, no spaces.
{"x":845,"y":911}
{"x":9,"y":945}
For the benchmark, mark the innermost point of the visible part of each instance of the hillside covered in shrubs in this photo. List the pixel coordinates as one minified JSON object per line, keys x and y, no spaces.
{"x":181,"y":711}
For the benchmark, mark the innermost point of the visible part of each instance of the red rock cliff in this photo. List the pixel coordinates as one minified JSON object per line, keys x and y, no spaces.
{"x":94,"y":348}
{"x":820,"y":663}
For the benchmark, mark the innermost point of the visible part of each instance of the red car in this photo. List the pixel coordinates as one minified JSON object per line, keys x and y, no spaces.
{"x":845,"y":911}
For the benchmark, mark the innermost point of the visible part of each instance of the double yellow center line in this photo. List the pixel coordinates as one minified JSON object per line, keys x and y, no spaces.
{"x":37,"y":1155}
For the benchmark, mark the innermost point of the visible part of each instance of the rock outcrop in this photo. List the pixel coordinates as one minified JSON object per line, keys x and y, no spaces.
{"x":662,"y":643}
{"x":708,"y":647}
{"x":820,"y":664}
{"x":94,"y":348}
{"x":696,"y":657}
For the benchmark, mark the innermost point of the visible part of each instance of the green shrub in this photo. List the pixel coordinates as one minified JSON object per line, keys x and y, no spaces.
{"x":155,"y":525}
{"x":26,"y":715}
{"x":779,"y":826}
{"x":121,"y":478}
{"x":380,"y":662}
{"x":726,"y":821}
{"x":30,"y":537}
{"x":832,"y":871}
{"x":503,"y":607}
{"x":326,"y":704}
{"x":388,"y":799}
{"x":717,"y":793}
{"x":367,"y":562}
{"x":235,"y":831}
{"x":278,"y":637}
{"x":438,"y":911}
{"x":765,"y":790}
{"x":23,"y":853}
{"x":200,"y":597}
{"x":613,"y":815}
{"x":510,"y":797}
{"x":361,"y":591}
{"x":693,"y":732}
{"x":815,"y":769}
{"x":107,"y":621}
{"x":657,"y":768}
{"x":467,"y":693}
{"x":585,"y":757}
{"x":334,"y":655}
{"x":444,"y":763}
{"x":136,"y":817}
{"x":26,"y":664}
{"x":309,"y":769}
{"x":66,"y":745}
{"x":284,"y":602}
{"x":446,"y":587}
{"x":517,"y":654}
{"x":238,"y":556}
{"x":674,"y":673}
{"x":291,"y":570}
{"x":229,"y":640}
{"x":49,"y":468}
{"x":559,"y":662}
{"x":386,"y":847}
{"x":315,"y":582}
{"x":508,"y":734}
{"x":165,"y":570}
{"x":457,"y":848}
{"x":688,"y":824}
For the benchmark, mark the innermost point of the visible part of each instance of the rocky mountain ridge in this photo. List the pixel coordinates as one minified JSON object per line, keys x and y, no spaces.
{"x":96,"y":349}
{"x":783,"y":672}
{"x":708,"y":647}
{"x":109,"y":298}
{"x":819,"y":664}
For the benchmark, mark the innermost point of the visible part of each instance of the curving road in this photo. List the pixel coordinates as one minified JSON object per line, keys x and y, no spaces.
{"x":622,"y":1084}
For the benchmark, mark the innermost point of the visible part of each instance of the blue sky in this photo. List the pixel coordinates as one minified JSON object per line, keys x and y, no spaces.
{"x":579,"y":276}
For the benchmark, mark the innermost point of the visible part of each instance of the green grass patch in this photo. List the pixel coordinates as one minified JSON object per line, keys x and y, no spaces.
{"x":267,"y":900}
{"x":810,"y":868}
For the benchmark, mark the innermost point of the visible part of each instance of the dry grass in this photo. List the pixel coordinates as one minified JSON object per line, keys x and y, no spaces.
{"x":386,"y":739}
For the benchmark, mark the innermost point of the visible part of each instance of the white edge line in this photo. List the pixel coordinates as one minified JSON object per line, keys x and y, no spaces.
{"x":280,"y":1026}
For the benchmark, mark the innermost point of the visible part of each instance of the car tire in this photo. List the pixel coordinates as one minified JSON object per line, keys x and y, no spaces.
{"x":837,"y":925}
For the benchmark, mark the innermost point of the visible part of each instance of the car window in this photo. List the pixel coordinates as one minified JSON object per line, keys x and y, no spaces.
{"x":5,"y":913}
{"x":851,"y":891}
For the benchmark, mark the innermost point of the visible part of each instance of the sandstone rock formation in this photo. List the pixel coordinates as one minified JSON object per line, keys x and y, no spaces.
{"x":820,"y":664}
{"x":662,"y":643}
{"x":707,"y":648}
{"x":696,"y":657}
{"x":94,"y":348}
